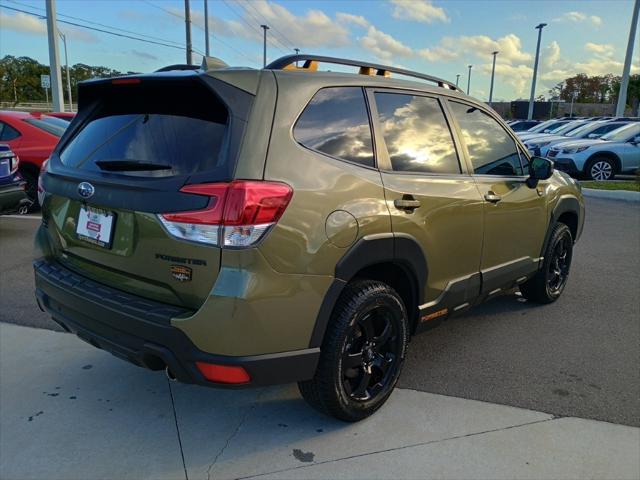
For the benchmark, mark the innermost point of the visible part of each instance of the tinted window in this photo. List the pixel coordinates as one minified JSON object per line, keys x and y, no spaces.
{"x":50,"y":125}
{"x":491,"y":150}
{"x":336,"y":123}
{"x":416,"y":133}
{"x":7,"y":132}
{"x":184,"y":133}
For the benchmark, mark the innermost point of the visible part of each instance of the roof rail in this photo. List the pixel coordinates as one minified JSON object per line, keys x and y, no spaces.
{"x":288,"y":62}
{"x":178,"y":66}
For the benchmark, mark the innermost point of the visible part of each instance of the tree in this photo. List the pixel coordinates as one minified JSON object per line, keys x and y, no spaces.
{"x":585,"y":89}
{"x":20,"y":78}
{"x":633,"y":92}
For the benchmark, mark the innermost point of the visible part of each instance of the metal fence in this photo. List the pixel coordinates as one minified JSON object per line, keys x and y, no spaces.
{"x":33,"y":106}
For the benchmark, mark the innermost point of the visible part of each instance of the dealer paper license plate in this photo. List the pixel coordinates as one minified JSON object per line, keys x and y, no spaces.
{"x":95,"y":226}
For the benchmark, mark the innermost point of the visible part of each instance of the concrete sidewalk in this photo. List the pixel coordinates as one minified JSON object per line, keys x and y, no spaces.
{"x":69,"y":411}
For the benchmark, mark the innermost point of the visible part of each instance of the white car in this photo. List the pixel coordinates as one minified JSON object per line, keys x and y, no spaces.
{"x":600,"y":159}
{"x":540,"y":145}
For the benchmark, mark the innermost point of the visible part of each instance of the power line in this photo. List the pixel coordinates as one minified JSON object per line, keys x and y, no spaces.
{"x":282,"y":35}
{"x":101,"y":24}
{"x":241,"y":17}
{"x":215,"y":37}
{"x":122,"y":35}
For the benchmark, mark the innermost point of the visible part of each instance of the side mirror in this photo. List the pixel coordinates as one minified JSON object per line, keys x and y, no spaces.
{"x":540,"y":168}
{"x":636,"y":140}
{"x":593,"y":135}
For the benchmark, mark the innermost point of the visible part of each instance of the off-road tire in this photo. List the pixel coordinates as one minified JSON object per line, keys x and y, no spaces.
{"x":326,"y":391}
{"x":538,"y":288}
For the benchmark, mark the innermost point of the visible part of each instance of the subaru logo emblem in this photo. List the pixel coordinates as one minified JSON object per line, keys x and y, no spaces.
{"x":86,"y":190}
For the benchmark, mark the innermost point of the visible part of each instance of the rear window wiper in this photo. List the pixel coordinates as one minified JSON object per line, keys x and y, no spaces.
{"x":130,"y":166}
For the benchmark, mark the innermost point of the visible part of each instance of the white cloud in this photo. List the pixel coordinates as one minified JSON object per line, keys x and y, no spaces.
{"x":29,"y":24}
{"x":312,"y":29}
{"x":383,"y":45}
{"x":599,"y":48}
{"x":479,"y":46}
{"x":517,"y":76}
{"x":358,"y":20}
{"x":579,"y":17}
{"x":418,"y":11}
{"x":438,"y":54}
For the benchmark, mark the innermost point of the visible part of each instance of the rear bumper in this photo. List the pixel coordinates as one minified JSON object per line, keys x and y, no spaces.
{"x":140,"y":331}
{"x":12,"y":196}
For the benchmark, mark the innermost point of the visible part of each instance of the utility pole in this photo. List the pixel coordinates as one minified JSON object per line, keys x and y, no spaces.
{"x":206,"y":27}
{"x":66,"y":63}
{"x":54,"y":57}
{"x":187,"y":25}
{"x":624,"y":84}
{"x":469,"y":80}
{"x":539,"y":27}
{"x":264,"y":46}
{"x":457,"y":79}
{"x":493,"y":73}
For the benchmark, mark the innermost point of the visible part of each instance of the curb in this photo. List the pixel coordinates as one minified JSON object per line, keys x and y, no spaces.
{"x":624,"y":195}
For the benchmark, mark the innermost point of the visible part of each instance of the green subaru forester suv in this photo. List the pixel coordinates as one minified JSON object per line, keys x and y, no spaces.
{"x":240,"y":227}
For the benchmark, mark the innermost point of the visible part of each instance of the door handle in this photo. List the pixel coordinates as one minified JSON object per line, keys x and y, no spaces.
{"x":406,"y":203}
{"x":492,"y":197}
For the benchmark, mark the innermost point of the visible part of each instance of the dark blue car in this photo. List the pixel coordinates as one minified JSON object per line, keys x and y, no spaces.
{"x":12,"y":187}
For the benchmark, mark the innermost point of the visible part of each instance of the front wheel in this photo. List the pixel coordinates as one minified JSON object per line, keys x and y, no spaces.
{"x":600,"y":169}
{"x":548,"y":284}
{"x":362,"y":353}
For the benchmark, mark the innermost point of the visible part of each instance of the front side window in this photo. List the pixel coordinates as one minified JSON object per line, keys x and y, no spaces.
{"x":416,"y":133}
{"x":491,"y":150}
{"x":336,"y":123}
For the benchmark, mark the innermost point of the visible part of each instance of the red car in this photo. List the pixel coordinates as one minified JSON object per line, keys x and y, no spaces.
{"x":31,"y":136}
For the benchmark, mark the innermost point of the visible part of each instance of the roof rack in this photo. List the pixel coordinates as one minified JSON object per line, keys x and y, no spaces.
{"x":311,"y":62}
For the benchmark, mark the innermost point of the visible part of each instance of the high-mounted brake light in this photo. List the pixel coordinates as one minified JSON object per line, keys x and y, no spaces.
{"x":125,"y":81}
{"x":238,"y":215}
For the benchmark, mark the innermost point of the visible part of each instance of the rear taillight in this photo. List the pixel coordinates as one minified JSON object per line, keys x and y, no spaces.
{"x":223,"y":373}
{"x":238,"y":215}
{"x":43,"y":169}
{"x":15,"y":162}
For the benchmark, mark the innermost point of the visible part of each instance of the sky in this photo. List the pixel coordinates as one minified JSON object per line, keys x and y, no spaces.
{"x":437,"y":37}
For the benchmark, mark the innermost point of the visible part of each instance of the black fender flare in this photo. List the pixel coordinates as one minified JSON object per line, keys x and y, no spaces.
{"x":566,"y":203}
{"x":401,"y":249}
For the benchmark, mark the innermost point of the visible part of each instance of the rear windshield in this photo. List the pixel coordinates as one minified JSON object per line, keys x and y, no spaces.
{"x":151,"y":130}
{"x":52,"y":125}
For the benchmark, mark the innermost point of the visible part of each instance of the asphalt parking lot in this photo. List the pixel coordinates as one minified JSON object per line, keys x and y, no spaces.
{"x":578,"y":357}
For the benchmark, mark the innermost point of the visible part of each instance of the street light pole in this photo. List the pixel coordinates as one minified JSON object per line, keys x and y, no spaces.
{"x":493,"y":72}
{"x":457,"y":78}
{"x":539,"y":27}
{"x":66,"y":62}
{"x":624,"y":84}
{"x":54,"y":57}
{"x":264,"y":45}
{"x":469,"y":80}
{"x":206,"y":27}
{"x":187,"y":26}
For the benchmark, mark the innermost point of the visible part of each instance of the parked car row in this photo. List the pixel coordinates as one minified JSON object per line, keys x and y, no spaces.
{"x":32,"y":137}
{"x":595,"y":148}
{"x":12,"y":187}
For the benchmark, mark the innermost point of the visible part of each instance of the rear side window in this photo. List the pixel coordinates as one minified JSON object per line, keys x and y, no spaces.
{"x":491,"y":150}
{"x":152,"y":130}
{"x":336,"y":123}
{"x":7,"y":132}
{"x":416,"y":133}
